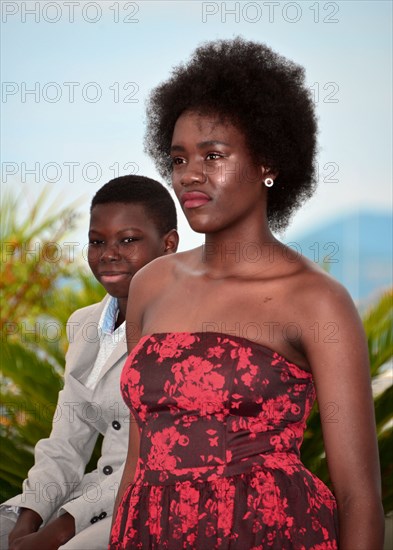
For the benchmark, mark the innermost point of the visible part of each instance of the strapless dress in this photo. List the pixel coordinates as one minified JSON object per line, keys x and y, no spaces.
{"x":221,"y":421}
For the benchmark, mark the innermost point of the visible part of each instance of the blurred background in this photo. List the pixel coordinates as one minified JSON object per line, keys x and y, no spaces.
{"x":75,"y":77}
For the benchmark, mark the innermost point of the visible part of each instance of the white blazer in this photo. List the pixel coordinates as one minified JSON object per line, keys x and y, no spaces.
{"x":57,"y":482}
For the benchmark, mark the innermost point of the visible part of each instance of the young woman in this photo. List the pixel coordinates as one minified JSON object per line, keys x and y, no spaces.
{"x":226,"y":361}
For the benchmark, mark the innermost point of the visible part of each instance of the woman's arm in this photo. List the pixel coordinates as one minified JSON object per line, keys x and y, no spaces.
{"x":129,"y":466}
{"x":339,"y":363}
{"x":133,"y":331}
{"x":144,"y":287}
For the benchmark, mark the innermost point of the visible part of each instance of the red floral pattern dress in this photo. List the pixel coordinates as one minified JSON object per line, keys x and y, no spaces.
{"x":221,"y":421}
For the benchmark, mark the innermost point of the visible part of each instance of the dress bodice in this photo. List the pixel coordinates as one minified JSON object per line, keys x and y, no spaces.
{"x":214,"y":403}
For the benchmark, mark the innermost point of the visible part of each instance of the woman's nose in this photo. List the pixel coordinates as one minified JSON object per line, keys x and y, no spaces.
{"x":193,"y":173}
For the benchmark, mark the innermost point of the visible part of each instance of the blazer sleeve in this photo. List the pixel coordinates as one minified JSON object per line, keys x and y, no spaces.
{"x":96,"y":502}
{"x":60,"y":460}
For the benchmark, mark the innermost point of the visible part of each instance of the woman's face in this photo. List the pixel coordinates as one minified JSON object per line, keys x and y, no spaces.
{"x":213,"y":175}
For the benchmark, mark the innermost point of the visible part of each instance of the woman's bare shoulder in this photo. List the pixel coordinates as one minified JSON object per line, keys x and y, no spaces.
{"x":160,"y":272}
{"x":317,"y":296}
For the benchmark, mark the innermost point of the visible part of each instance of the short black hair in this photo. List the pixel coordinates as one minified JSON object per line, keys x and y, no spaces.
{"x":264,"y":95}
{"x":134,"y":189}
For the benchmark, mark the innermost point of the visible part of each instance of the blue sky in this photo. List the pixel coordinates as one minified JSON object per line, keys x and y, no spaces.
{"x":344,"y":46}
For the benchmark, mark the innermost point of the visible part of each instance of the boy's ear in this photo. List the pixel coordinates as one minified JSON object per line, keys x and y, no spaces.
{"x":171,"y":241}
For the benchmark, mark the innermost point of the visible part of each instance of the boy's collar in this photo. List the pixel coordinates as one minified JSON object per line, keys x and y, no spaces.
{"x":109,"y":315}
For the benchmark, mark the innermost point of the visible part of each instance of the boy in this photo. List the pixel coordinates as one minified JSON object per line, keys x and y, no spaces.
{"x":132,"y":221}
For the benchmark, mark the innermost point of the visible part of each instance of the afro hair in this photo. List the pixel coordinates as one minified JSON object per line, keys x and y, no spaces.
{"x":261,"y":93}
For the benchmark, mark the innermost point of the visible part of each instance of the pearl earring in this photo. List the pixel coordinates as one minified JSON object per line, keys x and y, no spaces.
{"x":269,"y":182}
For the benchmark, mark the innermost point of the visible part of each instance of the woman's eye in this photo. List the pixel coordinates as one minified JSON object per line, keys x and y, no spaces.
{"x":177,"y":160}
{"x":95,"y":242}
{"x":213,"y":156}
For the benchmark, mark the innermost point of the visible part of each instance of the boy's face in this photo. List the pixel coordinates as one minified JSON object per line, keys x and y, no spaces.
{"x":122,"y":239}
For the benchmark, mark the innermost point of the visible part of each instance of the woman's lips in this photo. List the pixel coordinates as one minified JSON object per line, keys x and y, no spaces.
{"x":194,"y":199}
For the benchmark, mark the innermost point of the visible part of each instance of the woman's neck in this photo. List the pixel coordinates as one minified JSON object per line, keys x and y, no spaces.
{"x":239,"y":251}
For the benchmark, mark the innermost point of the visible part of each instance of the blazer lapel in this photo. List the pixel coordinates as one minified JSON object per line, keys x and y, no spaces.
{"x":120,"y":352}
{"x":84,"y":355}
